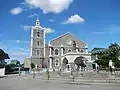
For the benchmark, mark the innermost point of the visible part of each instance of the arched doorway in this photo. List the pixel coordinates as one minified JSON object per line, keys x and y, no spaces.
{"x":80,"y":62}
{"x":65,"y":63}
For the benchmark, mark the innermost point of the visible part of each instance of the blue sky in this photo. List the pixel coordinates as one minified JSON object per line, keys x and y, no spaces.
{"x":96,"y":22}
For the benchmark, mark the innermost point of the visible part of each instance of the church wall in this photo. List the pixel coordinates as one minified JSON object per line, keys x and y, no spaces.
{"x":37,"y":60}
{"x":40,"y":53}
{"x":66,"y":40}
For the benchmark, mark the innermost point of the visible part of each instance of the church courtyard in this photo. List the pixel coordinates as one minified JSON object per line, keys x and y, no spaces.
{"x":41,"y":82}
{"x":15,"y":82}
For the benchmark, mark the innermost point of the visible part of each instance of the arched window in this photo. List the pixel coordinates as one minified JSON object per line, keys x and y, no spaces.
{"x":56,"y":51}
{"x":63,"y":50}
{"x":69,"y":50}
{"x":81,"y":51}
{"x":78,"y":49}
{"x":57,"y":63}
{"x":52,"y":51}
{"x":38,"y":34}
{"x":38,"y":43}
{"x":37,"y":52}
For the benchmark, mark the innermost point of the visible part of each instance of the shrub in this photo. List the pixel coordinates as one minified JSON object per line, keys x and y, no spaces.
{"x":32,"y":65}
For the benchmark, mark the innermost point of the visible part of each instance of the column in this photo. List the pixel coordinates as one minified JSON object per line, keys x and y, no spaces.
{"x":32,"y":36}
{"x":80,"y":68}
{"x":61,"y":51}
{"x":86,"y":49}
{"x":77,"y":50}
{"x":50,"y":62}
{"x":50,"y":51}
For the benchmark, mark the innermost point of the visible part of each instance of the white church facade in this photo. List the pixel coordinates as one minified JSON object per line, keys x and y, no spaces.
{"x":65,"y":52}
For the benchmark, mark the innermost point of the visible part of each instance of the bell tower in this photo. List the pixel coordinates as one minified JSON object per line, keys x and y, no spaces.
{"x":37,"y":22}
{"x":37,"y":44}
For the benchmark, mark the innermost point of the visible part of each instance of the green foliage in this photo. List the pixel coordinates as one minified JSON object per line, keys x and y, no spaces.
{"x":32,"y":65}
{"x":111,"y":53}
{"x":16,"y":62}
{"x":11,"y":68}
{"x":113,"y":45}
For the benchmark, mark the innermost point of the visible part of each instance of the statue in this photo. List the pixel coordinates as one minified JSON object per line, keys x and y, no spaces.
{"x":74,"y":46}
{"x":111,"y":67}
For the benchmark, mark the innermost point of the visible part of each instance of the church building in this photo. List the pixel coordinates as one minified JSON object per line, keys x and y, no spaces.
{"x":64,"y":52}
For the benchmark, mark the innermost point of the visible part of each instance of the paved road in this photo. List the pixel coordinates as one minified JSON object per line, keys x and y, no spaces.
{"x":17,"y":83}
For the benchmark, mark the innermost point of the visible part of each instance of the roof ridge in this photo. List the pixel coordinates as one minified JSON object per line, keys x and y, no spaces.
{"x":60,"y":36}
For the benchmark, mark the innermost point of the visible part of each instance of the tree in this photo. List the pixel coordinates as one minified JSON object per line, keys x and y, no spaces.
{"x":11,"y":68}
{"x":32,"y":65}
{"x":16,"y":62}
{"x":112,"y":45}
{"x":111,"y":53}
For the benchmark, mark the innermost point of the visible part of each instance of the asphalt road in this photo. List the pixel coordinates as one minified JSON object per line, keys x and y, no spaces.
{"x":18,"y":83}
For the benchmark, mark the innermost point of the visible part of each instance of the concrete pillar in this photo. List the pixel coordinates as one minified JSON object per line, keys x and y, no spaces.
{"x":62,"y":51}
{"x":80,"y":69}
{"x":66,"y":68}
{"x":50,"y":51}
{"x":86,"y":50}
{"x":77,"y":50}
{"x":50,"y":63}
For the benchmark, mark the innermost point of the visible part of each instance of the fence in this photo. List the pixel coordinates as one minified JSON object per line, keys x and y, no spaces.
{"x":102,"y":76}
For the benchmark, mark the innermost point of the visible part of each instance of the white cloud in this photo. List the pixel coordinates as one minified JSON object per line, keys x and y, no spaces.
{"x":74,"y":19}
{"x":51,"y":20}
{"x":114,"y":29}
{"x":49,"y":30}
{"x":17,"y":41}
{"x":21,"y":41}
{"x":22,"y":49}
{"x":16,"y":10}
{"x":26,"y":27}
{"x":55,"y":6}
{"x":18,"y":53}
{"x":23,"y":3}
{"x":33,"y":15}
